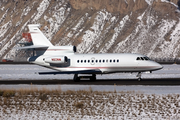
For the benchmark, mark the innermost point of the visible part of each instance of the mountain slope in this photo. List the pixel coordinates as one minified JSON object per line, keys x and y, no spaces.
{"x":149,"y":27}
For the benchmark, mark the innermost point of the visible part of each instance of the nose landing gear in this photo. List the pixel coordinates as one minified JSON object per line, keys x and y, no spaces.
{"x":139,"y":76}
{"x":78,"y":78}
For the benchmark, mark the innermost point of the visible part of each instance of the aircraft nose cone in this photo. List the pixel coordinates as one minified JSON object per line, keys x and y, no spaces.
{"x":158,"y":66}
{"x":155,"y":65}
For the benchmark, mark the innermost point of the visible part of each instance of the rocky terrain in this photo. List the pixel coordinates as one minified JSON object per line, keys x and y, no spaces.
{"x":149,"y":27}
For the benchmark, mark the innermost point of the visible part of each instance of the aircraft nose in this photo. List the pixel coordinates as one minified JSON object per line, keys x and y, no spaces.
{"x":158,"y":66}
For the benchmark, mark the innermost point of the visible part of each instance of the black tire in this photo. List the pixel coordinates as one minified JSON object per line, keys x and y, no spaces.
{"x":77,"y":79}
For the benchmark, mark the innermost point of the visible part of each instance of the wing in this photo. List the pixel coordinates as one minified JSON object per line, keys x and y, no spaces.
{"x":73,"y":72}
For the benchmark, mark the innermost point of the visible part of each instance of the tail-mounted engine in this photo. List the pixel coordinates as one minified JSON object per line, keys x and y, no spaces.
{"x":56,"y":60}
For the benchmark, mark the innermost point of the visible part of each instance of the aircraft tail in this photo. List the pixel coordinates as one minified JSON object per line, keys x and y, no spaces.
{"x":38,"y":38}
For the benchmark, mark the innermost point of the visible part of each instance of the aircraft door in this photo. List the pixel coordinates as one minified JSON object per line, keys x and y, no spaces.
{"x":92,"y":61}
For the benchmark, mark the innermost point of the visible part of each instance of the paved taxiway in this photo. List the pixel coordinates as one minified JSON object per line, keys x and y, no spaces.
{"x":26,"y":74}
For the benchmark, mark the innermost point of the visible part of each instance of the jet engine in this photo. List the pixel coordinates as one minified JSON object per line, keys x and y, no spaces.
{"x":56,"y":60}
{"x":68,"y":48}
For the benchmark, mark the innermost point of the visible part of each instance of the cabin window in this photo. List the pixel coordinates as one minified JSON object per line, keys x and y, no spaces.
{"x":114,"y":60}
{"x":99,"y":61}
{"x":110,"y":60}
{"x":88,"y":61}
{"x":81,"y":61}
{"x":92,"y":61}
{"x":106,"y":60}
{"x":117,"y":60}
{"x":96,"y":61}
{"x":103,"y":61}
{"x":77,"y":61}
{"x":138,"y":58}
{"x":84,"y":61}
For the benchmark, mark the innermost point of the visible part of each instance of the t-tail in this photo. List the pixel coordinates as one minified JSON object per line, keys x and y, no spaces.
{"x":43,"y":48}
{"x":38,"y":37}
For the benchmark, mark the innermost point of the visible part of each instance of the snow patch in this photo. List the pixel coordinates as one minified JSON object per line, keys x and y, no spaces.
{"x":141,"y":17}
{"x":117,"y":30}
{"x":42,"y":8}
{"x":26,"y":11}
{"x":149,"y":2}
{"x":90,"y":36}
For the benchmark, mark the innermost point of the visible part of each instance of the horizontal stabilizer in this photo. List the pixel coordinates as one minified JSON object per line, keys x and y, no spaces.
{"x":32,"y":47}
{"x":72,"y":72}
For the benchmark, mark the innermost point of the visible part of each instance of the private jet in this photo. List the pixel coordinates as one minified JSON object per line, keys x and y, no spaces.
{"x":65,"y":60}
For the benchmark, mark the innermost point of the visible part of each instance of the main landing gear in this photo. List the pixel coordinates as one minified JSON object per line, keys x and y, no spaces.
{"x":139,"y":76}
{"x":78,"y":78}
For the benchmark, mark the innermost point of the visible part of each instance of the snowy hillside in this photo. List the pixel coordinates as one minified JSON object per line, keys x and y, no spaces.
{"x":149,"y":27}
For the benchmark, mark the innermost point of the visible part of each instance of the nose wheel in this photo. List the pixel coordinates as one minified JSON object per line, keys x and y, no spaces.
{"x":139,"y":76}
{"x":78,"y":78}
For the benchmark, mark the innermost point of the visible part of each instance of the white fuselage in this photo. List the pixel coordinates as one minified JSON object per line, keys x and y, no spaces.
{"x":106,"y":63}
{"x":66,"y":61}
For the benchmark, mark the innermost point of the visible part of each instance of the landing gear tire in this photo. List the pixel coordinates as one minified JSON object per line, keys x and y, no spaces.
{"x":93,"y":77}
{"x":76,"y":78}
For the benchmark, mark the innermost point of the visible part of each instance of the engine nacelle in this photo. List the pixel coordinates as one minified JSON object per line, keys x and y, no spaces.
{"x":56,"y":60}
{"x":69,"y":49}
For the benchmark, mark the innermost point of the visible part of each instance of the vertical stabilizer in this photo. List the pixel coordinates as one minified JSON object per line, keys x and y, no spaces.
{"x":38,"y":38}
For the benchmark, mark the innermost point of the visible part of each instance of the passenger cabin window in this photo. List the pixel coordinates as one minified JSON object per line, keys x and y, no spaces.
{"x":103,"y":61}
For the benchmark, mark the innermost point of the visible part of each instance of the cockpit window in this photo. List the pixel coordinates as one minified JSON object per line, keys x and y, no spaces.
{"x":146,"y":58}
{"x":138,"y":58}
{"x":142,"y":58}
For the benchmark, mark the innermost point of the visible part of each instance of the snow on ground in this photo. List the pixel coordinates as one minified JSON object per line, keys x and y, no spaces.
{"x":41,"y":9}
{"x":117,"y":32}
{"x":92,"y":35}
{"x":89,"y":105}
{"x":83,"y":102}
